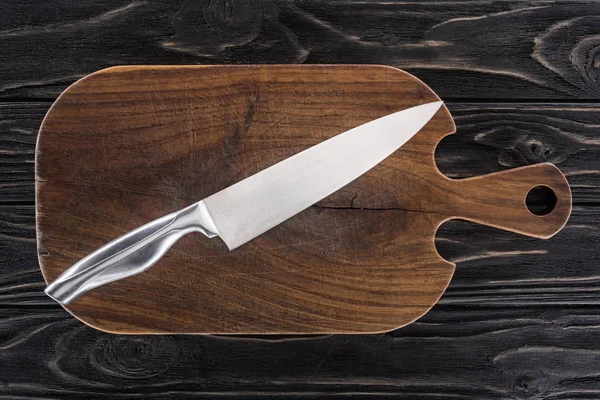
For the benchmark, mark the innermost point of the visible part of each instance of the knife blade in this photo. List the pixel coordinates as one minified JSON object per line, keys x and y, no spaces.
{"x":252,"y":206}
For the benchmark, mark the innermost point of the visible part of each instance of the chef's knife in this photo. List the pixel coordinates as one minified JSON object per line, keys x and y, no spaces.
{"x":252,"y":206}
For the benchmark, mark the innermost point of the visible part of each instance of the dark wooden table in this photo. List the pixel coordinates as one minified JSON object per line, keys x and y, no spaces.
{"x":521,"y":317}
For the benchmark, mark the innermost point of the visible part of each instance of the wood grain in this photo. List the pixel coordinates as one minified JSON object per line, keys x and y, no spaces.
{"x":532,"y":299}
{"x":533,"y":359}
{"x":144,"y":141}
{"x":550,"y":51}
{"x":535,"y":300}
{"x":19,"y":126}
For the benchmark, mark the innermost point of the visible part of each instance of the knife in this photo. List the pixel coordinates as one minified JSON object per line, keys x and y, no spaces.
{"x":252,"y":206}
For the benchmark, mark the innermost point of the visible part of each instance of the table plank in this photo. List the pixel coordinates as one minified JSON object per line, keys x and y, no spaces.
{"x":490,"y":137}
{"x":19,"y":124}
{"x":494,"y":268}
{"x":478,"y":49}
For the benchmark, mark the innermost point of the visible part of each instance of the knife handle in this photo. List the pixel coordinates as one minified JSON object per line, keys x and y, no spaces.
{"x":499,"y":200}
{"x":131,"y":253}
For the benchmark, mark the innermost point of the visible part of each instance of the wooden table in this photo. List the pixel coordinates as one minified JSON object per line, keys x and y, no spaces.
{"x":520,"y":318}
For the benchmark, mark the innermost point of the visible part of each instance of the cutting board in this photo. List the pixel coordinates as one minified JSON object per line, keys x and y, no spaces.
{"x":127,"y":145}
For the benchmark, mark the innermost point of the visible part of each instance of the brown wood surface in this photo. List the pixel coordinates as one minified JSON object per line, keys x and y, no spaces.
{"x":129,"y":144}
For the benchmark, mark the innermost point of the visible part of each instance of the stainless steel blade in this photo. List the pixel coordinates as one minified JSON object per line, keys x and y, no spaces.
{"x":262,"y":201}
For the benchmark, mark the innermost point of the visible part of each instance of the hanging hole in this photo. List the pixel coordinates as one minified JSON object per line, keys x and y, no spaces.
{"x":540,"y":200}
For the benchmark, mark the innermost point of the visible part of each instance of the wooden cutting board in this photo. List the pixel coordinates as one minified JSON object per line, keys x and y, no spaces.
{"x":129,"y":144}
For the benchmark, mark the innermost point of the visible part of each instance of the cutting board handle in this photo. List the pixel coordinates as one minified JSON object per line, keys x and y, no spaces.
{"x":499,"y":200}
